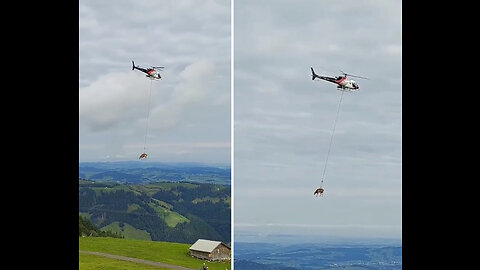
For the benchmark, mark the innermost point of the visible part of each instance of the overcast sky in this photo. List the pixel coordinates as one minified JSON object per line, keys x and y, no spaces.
{"x":190,"y":109}
{"x":283,"y":119}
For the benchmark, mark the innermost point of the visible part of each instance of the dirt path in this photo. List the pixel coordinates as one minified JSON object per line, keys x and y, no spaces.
{"x":176,"y":267}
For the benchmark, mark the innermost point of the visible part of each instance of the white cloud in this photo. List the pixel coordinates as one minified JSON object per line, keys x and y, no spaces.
{"x":393,"y":49}
{"x":112,"y":99}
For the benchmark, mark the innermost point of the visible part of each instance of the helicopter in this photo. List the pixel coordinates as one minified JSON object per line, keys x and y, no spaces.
{"x":343,"y":84}
{"x":151,"y":72}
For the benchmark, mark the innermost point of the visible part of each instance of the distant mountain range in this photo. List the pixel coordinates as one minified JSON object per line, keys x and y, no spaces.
{"x":310,"y":256}
{"x":147,"y":172}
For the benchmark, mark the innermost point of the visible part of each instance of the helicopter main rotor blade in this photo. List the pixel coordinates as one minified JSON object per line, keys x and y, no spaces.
{"x":351,"y":75}
{"x":357,"y":76}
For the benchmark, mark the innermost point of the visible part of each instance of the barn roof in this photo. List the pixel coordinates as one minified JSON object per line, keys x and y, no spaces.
{"x":206,"y":245}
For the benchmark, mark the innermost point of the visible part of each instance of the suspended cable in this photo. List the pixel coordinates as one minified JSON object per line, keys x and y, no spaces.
{"x":331,"y":139}
{"x":144,"y":155}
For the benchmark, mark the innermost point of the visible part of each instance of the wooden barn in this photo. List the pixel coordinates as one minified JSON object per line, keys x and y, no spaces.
{"x":210,"y":250}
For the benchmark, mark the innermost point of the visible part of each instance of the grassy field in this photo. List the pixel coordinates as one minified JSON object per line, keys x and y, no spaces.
{"x":98,"y":190}
{"x":93,"y":262}
{"x":165,"y":252}
{"x":206,"y":199}
{"x":173,"y":218}
{"x":163,"y":209}
{"x":127,"y":231}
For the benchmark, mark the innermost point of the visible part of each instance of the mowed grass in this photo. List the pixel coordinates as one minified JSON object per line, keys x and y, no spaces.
{"x":128,"y":231}
{"x":166,"y":252}
{"x":170,"y":217}
{"x":151,"y":189}
{"x":173,"y":218}
{"x":206,"y":199}
{"x":99,"y":190}
{"x":94,"y":262}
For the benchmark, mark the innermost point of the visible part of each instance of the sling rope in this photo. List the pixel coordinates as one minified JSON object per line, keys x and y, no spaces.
{"x":148,"y":116}
{"x":331,"y":139}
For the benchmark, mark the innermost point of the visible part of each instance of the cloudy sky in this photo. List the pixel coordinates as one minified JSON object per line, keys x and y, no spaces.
{"x":283,"y":119}
{"x":190,"y":112}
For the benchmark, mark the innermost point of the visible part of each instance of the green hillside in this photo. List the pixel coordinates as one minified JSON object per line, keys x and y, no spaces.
{"x":87,"y":228}
{"x":127,"y":231}
{"x":163,"y":211}
{"x":165,"y":252}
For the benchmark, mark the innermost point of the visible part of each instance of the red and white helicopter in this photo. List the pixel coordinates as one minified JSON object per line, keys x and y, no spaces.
{"x":151,"y":72}
{"x":342,"y":82}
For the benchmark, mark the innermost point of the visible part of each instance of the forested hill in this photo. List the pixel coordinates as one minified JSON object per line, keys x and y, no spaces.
{"x":163,"y":211}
